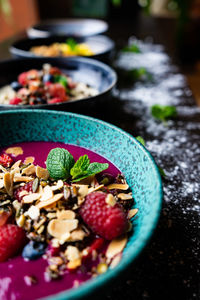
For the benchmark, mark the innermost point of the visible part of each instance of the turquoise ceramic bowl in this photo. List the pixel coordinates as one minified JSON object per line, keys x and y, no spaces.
{"x":111,"y":142}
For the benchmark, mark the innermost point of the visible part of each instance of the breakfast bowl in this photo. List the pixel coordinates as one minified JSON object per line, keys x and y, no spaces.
{"x":23,"y":130}
{"x":98,"y":47}
{"x":74,"y":27}
{"x":54,"y":83}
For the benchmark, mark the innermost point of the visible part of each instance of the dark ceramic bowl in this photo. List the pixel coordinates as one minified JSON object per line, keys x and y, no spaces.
{"x":100,"y":45}
{"x":92,"y":72}
{"x":73,"y":27}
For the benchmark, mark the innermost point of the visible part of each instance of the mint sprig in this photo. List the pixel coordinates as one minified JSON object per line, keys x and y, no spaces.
{"x":141,"y":140}
{"x":71,"y":43}
{"x":163,"y":112}
{"x":132,"y":48}
{"x":61,"y":165}
{"x":61,"y":79}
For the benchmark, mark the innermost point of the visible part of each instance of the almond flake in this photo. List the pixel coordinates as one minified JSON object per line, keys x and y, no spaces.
{"x":65,"y":215}
{"x":83,"y":190}
{"x":21,"y":220}
{"x":8,"y":183}
{"x":16,"y":165}
{"x":74,"y":264}
{"x":29,"y":160}
{"x":33,"y":212}
{"x":59,"y":228}
{"x":77,"y":235}
{"x":50,"y":201}
{"x":116,"y":246}
{"x":132,"y":213}
{"x":31,"y":197}
{"x":42,"y":173}
{"x":3,"y":169}
{"x":1,"y":183}
{"x":23,"y":193}
{"x":15,"y":151}
{"x":72,"y":253}
{"x":118,"y":186}
{"x":115,"y":261}
{"x":110,"y":200}
{"x":30,"y":170}
{"x":47,"y":193}
{"x":58,"y":186}
{"x":123,"y":196}
{"x":93,"y":189}
{"x":19,"y":178}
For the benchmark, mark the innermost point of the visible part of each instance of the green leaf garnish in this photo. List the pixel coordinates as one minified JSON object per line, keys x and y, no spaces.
{"x":162,"y":172}
{"x":141,"y":140}
{"x":71,"y":43}
{"x":80,"y":167}
{"x":162,"y":112}
{"x":140,"y":74}
{"x":59,"y":163}
{"x":132,"y":48}
{"x":61,"y":79}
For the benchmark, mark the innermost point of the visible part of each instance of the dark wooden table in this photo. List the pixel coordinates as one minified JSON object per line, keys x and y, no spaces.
{"x":168,"y":268}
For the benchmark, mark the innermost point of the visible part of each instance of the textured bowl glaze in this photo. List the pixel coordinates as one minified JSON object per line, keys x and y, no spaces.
{"x":120,"y":148}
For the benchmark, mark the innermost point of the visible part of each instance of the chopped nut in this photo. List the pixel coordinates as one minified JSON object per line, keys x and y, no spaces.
{"x":93,"y":189}
{"x":115,"y":261}
{"x":110,"y":200}
{"x":1,"y":183}
{"x":74,"y":264}
{"x":123,"y":196}
{"x":42,"y":173}
{"x":31,"y":197}
{"x":47,"y":193}
{"x":58,"y":228}
{"x":41,"y":229}
{"x":21,"y":220}
{"x":19,"y":178}
{"x":29,"y":160}
{"x":118,"y":186}
{"x":58,"y":186}
{"x":65,"y":215}
{"x":23,"y":193}
{"x":50,"y":201}
{"x":51,"y":215}
{"x":132,"y":213}
{"x":83,"y":190}
{"x":72,"y":253}
{"x":15,"y":151}
{"x":16,"y":165}
{"x":116,"y":246}
{"x":3,"y":169}
{"x":77,"y":235}
{"x":30,"y":170}
{"x":8,"y":183}
{"x":33,"y":212}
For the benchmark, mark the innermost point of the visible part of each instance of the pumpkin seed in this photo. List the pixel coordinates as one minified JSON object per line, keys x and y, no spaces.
{"x":35,"y":184}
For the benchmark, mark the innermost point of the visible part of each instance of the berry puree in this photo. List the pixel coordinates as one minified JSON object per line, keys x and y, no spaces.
{"x":21,"y":278}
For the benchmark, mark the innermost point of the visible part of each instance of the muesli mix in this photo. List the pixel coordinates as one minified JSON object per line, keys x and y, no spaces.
{"x":70,"y":213}
{"x":46,"y":86}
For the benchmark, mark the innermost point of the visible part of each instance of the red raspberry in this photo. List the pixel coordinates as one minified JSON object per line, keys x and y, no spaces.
{"x":55,"y":100}
{"x":12,"y":240}
{"x":15,"y":101}
{"x":57,"y":90}
{"x":105,"y":220}
{"x":5,"y":160}
{"x":22,"y":78}
{"x":27,"y":187}
{"x":4,"y":217}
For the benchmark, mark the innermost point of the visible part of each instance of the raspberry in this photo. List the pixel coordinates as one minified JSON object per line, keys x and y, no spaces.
{"x":12,"y":240}
{"x":15,"y":101}
{"x":55,"y":100}
{"x":107,"y":221}
{"x":57,"y":90}
{"x":22,"y":78}
{"x":27,"y":187}
{"x":5,"y":160}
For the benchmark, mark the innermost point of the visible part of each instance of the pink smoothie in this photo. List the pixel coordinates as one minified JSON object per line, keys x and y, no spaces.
{"x":12,"y":273}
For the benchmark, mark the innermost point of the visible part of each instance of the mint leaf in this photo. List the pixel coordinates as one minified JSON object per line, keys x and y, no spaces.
{"x":61,"y":79}
{"x":80,"y":166}
{"x":132,"y":48}
{"x":93,"y":168}
{"x":141,"y":140}
{"x":162,"y":112}
{"x":71,"y":43}
{"x":59,"y":163}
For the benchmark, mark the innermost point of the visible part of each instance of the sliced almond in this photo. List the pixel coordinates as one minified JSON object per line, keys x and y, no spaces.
{"x":42,"y":173}
{"x":110,"y":200}
{"x":93,"y":189}
{"x":77,"y":235}
{"x":115,"y":261}
{"x":123,"y":196}
{"x":72,"y":253}
{"x":30,"y":170}
{"x":83,"y":190}
{"x":59,"y":228}
{"x":47,"y":193}
{"x":19,"y":178}
{"x":1,"y":183}
{"x":65,"y":215}
{"x":29,"y":160}
{"x":16,"y":164}
{"x":118,"y":186}
{"x":15,"y":151}
{"x":8,"y":183}
{"x":50,"y":201}
{"x":33,"y":212}
{"x":132,"y":213}
{"x":58,"y":186}
{"x":23,"y":193}
{"x":31,"y":197}
{"x":3,"y":169}
{"x":74,"y":264}
{"x":116,"y":246}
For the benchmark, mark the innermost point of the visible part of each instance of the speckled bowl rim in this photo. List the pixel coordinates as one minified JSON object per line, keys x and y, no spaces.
{"x":88,"y":287}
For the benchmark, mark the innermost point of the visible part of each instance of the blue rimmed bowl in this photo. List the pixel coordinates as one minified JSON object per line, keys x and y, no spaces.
{"x":133,"y":160}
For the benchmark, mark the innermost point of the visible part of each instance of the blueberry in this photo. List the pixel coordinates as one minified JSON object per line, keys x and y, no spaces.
{"x":48,"y":78}
{"x":34,"y":250}
{"x":16,"y":86}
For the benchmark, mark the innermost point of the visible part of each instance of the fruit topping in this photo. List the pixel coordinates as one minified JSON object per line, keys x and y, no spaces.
{"x":6,"y":160}
{"x":34,"y":250}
